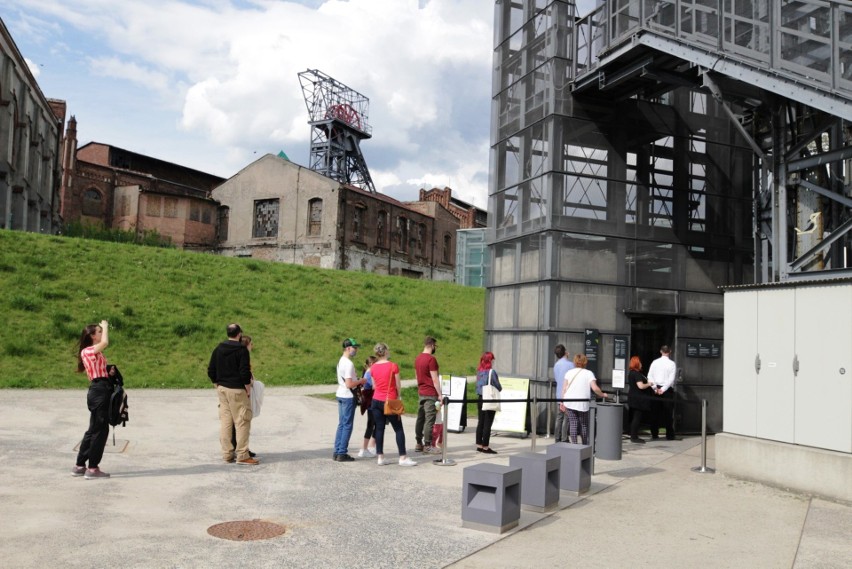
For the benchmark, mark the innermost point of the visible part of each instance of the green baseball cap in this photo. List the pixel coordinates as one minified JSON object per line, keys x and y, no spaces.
{"x":351,"y":343}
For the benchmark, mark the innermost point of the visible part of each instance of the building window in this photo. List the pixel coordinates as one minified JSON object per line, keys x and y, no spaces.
{"x":206,"y":215}
{"x":170,"y":207}
{"x":381,"y":229}
{"x":222,"y":227}
{"x":421,"y":239}
{"x":265,"y":218}
{"x":92,"y":203}
{"x":315,"y":217}
{"x":153,"y":205}
{"x":358,"y":222}
{"x":448,"y":246}
{"x":402,"y":231}
{"x":194,"y":212}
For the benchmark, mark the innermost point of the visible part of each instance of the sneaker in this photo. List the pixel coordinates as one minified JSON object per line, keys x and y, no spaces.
{"x":418,"y":448}
{"x":363,"y":453}
{"x":638,"y":441}
{"x":343,"y":458}
{"x":249,"y":461}
{"x":383,"y":462}
{"x":489,"y":451}
{"x":78,"y":470}
{"x":432,"y":450}
{"x":252,"y":455}
{"x":93,"y":473}
{"x":371,"y":451}
{"x":407,"y":462}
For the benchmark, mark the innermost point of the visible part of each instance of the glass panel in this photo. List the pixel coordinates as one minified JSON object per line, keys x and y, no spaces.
{"x":582,"y":306}
{"x":503,"y":267}
{"x":653,"y":264}
{"x":503,"y":308}
{"x":587,"y":257}
{"x":528,"y":306}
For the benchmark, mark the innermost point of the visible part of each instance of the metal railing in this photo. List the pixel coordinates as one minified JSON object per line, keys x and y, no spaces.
{"x":803,"y":39}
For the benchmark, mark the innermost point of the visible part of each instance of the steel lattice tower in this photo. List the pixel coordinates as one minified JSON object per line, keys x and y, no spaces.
{"x":338,"y":119}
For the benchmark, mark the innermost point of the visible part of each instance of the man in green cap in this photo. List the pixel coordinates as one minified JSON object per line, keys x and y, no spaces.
{"x":347,"y":380}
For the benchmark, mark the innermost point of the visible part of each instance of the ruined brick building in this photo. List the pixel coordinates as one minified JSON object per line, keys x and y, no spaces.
{"x":126,"y":190}
{"x":277,"y":210}
{"x":31,"y":128}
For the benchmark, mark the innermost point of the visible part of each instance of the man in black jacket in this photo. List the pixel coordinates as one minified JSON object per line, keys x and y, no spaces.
{"x":230,"y":370}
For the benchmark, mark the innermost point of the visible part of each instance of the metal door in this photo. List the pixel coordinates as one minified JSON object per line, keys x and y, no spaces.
{"x":739,"y":393}
{"x":823,"y":416}
{"x":775,"y":346}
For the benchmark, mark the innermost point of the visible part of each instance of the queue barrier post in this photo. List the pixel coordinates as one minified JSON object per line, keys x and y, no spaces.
{"x":444,"y":461}
{"x":703,"y":468}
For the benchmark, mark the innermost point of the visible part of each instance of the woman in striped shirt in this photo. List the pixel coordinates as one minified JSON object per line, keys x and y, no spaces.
{"x":90,"y":358}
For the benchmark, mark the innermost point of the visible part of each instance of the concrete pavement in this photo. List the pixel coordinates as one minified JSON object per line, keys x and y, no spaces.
{"x":169,"y":485}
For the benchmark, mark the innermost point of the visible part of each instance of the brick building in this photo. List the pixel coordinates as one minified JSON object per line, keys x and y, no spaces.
{"x":469,"y":216}
{"x":130,"y":191}
{"x":30,"y":136}
{"x":277,"y":210}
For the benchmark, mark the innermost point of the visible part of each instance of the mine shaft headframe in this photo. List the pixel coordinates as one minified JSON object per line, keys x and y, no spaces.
{"x":327,"y":98}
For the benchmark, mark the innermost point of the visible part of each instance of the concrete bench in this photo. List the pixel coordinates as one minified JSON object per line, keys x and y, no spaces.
{"x":539,"y":481}
{"x":491,"y":498}
{"x":575,"y":467}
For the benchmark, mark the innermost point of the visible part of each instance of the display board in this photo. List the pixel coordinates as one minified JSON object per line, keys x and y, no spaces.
{"x":454,"y":388}
{"x":512,"y":417}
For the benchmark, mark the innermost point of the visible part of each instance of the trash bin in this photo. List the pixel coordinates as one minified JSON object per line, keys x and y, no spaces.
{"x":608,"y":430}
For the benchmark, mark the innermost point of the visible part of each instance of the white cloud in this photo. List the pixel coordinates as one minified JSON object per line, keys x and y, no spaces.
{"x":33,"y":67}
{"x":230,"y":68}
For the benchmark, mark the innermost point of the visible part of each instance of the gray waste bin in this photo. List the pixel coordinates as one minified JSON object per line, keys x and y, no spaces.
{"x":608,"y":431}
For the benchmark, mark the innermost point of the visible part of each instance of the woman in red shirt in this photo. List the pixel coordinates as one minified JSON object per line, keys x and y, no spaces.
{"x":386,"y":385}
{"x":90,"y":358}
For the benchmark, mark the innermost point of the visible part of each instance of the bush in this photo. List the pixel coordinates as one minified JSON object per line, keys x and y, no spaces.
{"x":99,"y":232}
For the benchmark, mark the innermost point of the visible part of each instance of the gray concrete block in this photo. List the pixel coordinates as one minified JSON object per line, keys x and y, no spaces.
{"x":575,"y":467}
{"x":539,"y":480}
{"x":491,"y":497}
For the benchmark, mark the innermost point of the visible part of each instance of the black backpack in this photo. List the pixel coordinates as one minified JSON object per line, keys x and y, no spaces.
{"x":117,"y":400}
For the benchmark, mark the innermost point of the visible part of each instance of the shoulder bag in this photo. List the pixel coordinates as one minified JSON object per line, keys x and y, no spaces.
{"x":393,"y":406}
{"x":490,"y":395}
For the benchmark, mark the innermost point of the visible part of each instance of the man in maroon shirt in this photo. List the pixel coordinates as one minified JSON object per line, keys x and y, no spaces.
{"x":429,"y":391}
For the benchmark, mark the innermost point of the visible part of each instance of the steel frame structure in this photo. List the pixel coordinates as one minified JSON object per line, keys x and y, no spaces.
{"x":783,"y":73}
{"x":339,"y":119}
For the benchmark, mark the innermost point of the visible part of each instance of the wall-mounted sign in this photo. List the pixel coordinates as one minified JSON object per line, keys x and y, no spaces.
{"x":703,"y":349}
{"x":591,"y":347}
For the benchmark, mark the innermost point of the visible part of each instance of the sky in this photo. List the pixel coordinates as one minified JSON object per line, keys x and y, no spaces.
{"x":213,"y":85}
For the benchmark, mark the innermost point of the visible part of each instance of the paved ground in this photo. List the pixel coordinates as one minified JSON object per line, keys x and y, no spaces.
{"x":169,"y":485}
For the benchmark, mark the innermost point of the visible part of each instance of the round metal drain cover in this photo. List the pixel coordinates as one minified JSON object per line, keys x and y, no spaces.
{"x":246,"y":530}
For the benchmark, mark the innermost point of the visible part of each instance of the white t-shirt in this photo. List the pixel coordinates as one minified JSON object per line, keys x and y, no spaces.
{"x":345,"y":369}
{"x":578,"y":386}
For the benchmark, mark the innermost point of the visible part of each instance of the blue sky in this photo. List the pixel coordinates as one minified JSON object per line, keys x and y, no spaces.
{"x":212,"y":84}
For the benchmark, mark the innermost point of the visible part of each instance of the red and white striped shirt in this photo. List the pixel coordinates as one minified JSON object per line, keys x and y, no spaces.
{"x":94,"y":362}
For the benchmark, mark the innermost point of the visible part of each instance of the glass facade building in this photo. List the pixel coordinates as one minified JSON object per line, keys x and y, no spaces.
{"x":617,"y":213}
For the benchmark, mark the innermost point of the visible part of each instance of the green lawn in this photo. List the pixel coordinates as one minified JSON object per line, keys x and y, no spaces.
{"x":168,"y":309}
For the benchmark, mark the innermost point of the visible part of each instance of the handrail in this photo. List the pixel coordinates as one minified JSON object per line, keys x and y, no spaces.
{"x":802,"y":39}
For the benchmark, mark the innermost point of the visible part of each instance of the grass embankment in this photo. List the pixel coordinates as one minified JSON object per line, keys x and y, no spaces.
{"x":168,"y":309}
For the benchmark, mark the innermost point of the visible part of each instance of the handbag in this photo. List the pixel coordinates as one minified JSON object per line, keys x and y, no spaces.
{"x":490,"y":395}
{"x":394,"y":407}
{"x":366,"y":399}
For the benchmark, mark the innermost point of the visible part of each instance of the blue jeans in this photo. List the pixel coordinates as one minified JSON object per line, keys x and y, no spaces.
{"x":345,"y":420}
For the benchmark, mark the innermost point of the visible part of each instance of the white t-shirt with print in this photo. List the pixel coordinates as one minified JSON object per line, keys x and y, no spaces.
{"x":345,"y":369}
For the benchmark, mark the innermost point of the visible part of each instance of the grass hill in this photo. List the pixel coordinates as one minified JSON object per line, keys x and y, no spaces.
{"x":168,"y":309}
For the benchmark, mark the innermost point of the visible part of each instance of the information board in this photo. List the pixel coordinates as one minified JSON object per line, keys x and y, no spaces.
{"x":619,"y":361}
{"x":703,"y":350}
{"x":454,"y":388}
{"x":590,"y":349}
{"x":512,"y":417}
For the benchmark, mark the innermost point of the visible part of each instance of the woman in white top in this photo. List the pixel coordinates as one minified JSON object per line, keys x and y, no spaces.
{"x":579,"y":384}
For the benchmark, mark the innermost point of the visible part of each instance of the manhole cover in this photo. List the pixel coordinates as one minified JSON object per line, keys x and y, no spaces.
{"x":246,"y":530}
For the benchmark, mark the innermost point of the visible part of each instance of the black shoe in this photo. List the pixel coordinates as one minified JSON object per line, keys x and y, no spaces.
{"x":489,"y":451}
{"x":480,"y":449}
{"x":252,"y":455}
{"x":655,"y":437}
{"x":637,"y":440}
{"x":344,"y":458}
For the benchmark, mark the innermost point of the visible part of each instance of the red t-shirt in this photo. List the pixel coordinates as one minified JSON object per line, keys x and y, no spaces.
{"x":384,"y":380}
{"x":423,"y":365}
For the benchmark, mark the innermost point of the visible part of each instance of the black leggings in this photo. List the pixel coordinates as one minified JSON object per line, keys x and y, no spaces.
{"x":483,"y":425}
{"x":94,"y":441}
